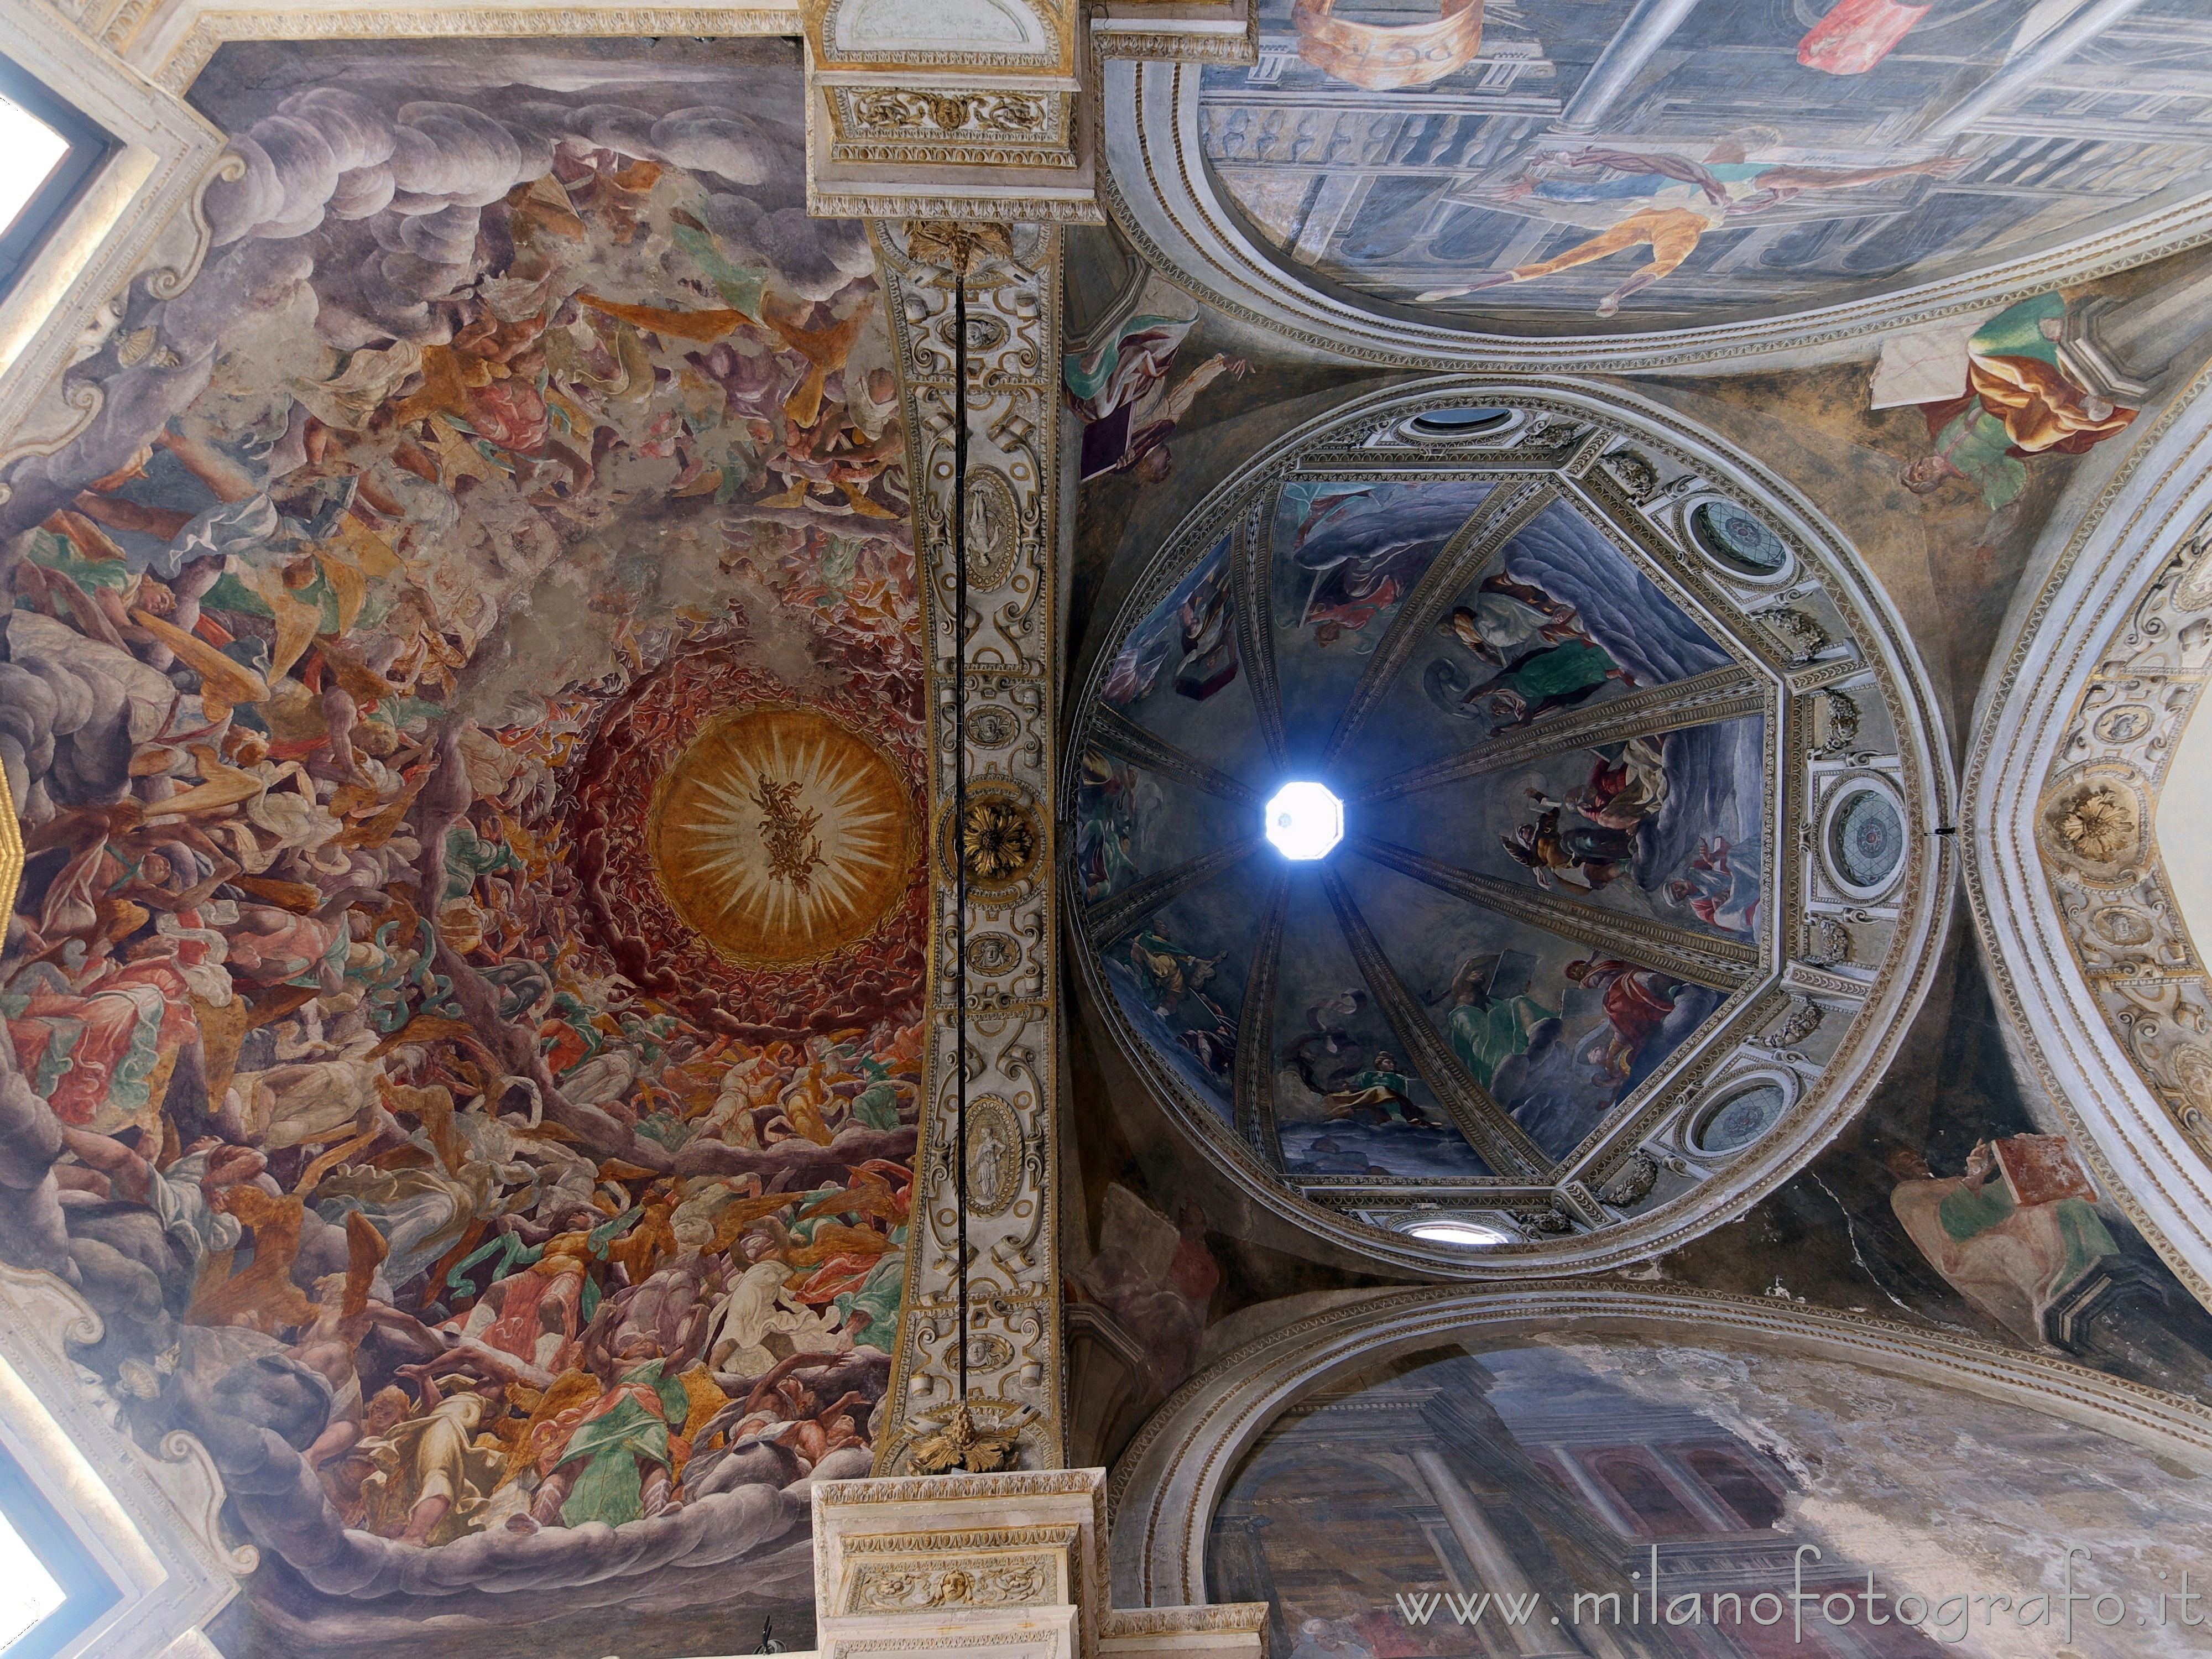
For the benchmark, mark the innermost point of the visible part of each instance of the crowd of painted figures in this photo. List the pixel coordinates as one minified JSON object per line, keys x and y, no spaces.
{"x":316,"y":1073}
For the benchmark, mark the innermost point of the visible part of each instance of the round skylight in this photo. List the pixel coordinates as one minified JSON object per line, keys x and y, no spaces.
{"x":1458,"y":1232}
{"x":1304,"y":820}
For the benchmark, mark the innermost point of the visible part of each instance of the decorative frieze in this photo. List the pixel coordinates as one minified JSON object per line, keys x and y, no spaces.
{"x":1006,"y":646}
{"x":952,"y":127}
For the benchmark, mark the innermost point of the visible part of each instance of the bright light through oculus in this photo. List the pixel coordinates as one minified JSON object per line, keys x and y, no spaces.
{"x":1304,"y":820}
{"x":1457,"y":1232}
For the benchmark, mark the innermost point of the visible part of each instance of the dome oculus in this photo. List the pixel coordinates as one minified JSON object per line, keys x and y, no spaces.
{"x":1304,"y":820}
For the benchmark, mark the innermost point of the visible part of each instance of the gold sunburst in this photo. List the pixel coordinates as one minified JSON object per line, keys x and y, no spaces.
{"x":781,"y":834}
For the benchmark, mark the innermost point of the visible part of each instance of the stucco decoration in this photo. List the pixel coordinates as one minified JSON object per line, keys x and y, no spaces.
{"x":149,"y":1515}
{"x":1615,"y":938}
{"x":1007,"y":648}
{"x":2070,"y":879}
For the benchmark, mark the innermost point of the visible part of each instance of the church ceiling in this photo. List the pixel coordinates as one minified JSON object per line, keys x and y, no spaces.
{"x":1613,"y":745}
{"x":1559,"y":167}
{"x":464,"y":698}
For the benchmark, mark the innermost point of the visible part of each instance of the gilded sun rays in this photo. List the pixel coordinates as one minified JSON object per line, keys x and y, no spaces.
{"x":781,"y":835}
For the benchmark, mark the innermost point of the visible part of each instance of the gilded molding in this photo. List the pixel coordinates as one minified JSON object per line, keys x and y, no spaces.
{"x":1218,"y":1618}
{"x":1007,"y":647}
{"x":964,"y":210}
{"x":950,"y":126}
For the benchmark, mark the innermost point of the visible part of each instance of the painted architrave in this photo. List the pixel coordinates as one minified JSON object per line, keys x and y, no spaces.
{"x":1854,"y":1025}
{"x":1156,"y":183}
{"x":170,"y":41}
{"x":2109,"y":1030}
{"x":1168,"y":1483}
{"x":1009,"y":652}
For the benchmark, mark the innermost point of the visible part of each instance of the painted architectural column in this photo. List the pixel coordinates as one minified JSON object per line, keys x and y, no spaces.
{"x":1495,"y":1569}
{"x":2023,"y":71}
{"x":1007,"y":646}
{"x":1639,"y":41}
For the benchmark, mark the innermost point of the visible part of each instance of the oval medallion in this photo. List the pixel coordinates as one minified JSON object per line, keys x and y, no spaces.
{"x":1866,"y":839}
{"x":1734,"y":538}
{"x":994,"y":530}
{"x":1740,"y":1119}
{"x":2124,"y":927}
{"x":995,"y":1155}
{"x":2124,"y":724}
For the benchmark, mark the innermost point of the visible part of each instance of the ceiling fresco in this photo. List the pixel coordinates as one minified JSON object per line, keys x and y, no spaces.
{"x":463,"y":695}
{"x":1736,"y":1473}
{"x":1556,"y":167}
{"x":1547,"y":699}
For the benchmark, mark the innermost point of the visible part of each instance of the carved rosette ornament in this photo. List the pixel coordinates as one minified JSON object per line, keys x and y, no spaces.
{"x":2095,"y":829}
{"x":1004,"y":838}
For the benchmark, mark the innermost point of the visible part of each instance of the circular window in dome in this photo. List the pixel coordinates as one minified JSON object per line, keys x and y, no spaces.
{"x":1740,"y":1119}
{"x":1866,"y":839}
{"x":1468,"y":421}
{"x":1735,"y":537}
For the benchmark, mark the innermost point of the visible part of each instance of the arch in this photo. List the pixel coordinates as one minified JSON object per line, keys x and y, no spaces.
{"x":1167,"y":1485}
{"x":2065,"y":920}
{"x":1166,"y":199}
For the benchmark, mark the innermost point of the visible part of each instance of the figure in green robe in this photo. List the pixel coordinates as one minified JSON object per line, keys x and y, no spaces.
{"x":1555,"y":677}
{"x":1382,"y":1092}
{"x":618,"y":1462}
{"x":1486,"y":1031}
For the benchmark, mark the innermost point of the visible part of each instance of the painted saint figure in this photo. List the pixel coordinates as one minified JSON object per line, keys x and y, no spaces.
{"x":2015,"y":1235}
{"x":1719,"y":885}
{"x":2020,"y":400}
{"x":1669,"y":203}
{"x":614,"y":1459}
{"x":1381,"y":1092}
{"x":1488,"y":1023}
{"x":1550,"y":847}
{"x":1535,"y":683}
{"x":1508,"y":616}
{"x":1637,"y":1003}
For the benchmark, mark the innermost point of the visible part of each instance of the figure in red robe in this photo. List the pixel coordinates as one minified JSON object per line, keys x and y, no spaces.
{"x":1637,"y":1003}
{"x":1857,"y":34}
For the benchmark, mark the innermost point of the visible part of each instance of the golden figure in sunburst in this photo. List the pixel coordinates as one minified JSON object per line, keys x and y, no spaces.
{"x":781,"y":834}
{"x":787,"y":830}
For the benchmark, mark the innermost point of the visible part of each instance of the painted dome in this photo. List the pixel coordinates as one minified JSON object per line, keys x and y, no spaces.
{"x":1533,"y":974}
